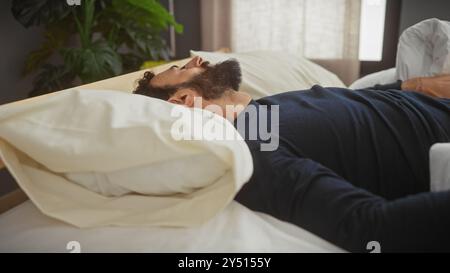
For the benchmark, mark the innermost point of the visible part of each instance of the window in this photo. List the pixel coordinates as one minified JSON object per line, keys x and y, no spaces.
{"x":372,"y":30}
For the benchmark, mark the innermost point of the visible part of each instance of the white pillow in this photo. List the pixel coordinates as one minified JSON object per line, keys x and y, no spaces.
{"x":124,"y":145}
{"x":181,"y":175}
{"x":266,"y":73}
{"x":424,"y":50}
{"x":382,"y":77}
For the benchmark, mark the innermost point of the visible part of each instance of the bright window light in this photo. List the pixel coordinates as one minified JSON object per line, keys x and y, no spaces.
{"x":372,"y":30}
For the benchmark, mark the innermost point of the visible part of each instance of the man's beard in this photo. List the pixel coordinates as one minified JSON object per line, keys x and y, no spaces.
{"x":216,"y":79}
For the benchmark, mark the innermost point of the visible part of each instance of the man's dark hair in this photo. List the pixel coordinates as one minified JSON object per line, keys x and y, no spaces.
{"x":211,"y":84}
{"x":145,"y":88}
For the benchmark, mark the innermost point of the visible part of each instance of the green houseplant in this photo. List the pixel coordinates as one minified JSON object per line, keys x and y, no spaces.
{"x":91,"y":41}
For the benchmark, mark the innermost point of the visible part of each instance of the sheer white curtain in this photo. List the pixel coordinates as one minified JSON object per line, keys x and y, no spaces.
{"x":326,"y":31}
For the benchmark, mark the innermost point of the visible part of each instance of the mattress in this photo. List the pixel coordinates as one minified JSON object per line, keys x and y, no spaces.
{"x":235,"y":229}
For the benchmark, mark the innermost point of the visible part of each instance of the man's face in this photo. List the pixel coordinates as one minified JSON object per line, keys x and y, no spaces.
{"x":181,"y":85}
{"x":178,"y":75}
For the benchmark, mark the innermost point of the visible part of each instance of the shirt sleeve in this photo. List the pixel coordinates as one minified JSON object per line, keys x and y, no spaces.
{"x":391,"y":86}
{"x":305,"y":193}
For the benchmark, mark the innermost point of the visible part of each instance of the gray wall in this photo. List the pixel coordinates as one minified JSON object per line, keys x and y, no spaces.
{"x":16,"y":42}
{"x":187,"y":13}
{"x":414,"y":11}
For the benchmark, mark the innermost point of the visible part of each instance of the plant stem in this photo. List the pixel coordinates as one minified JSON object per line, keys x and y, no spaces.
{"x":85,"y":29}
{"x":89,"y":10}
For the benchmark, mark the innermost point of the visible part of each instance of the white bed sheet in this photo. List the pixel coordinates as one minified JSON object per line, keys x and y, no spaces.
{"x":236,"y":229}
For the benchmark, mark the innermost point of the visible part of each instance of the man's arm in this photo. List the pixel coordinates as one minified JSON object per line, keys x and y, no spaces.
{"x":305,"y":193}
{"x":437,"y":86}
{"x":391,"y":86}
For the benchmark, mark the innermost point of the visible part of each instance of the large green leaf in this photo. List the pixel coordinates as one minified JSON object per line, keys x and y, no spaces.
{"x":157,"y":12}
{"x":38,"y":12}
{"x":96,"y":62}
{"x":55,"y":38}
{"x":140,"y":23}
{"x":50,"y":79}
{"x":100,"y":29}
{"x":146,"y":13}
{"x":149,"y":45}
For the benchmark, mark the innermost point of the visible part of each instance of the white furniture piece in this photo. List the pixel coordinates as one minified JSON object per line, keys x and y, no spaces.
{"x":440,"y":167}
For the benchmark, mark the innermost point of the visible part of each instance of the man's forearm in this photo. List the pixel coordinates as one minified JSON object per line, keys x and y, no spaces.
{"x":437,"y":86}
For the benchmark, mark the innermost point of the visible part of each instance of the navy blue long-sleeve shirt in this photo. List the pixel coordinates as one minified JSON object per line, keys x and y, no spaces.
{"x":352,"y":167}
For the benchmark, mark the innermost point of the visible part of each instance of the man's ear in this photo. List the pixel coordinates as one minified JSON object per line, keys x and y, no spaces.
{"x":184,"y":97}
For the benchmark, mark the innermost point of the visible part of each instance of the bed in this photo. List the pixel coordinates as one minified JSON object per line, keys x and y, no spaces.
{"x":236,"y":229}
{"x":25,"y":228}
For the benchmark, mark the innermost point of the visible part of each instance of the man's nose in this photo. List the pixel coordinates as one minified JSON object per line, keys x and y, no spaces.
{"x":195,"y":62}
